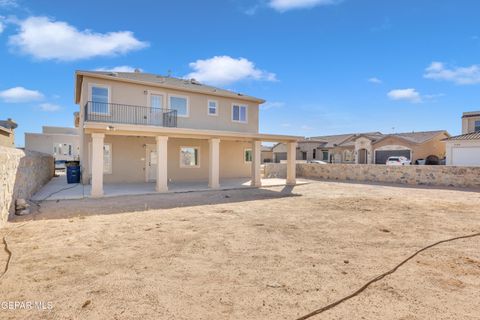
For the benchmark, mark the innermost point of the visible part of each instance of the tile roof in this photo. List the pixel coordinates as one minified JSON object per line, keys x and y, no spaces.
{"x":467,"y":136}
{"x":338,"y":139}
{"x":181,"y":84}
{"x":418,"y":137}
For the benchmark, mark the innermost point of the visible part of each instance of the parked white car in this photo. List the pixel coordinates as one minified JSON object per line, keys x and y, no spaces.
{"x":317,"y":161}
{"x":398,"y":161}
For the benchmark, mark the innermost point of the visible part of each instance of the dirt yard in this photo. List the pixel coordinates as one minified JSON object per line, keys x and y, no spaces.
{"x":248,"y":254}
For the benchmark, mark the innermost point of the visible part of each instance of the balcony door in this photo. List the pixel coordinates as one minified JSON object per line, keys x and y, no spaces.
{"x":156,"y":109}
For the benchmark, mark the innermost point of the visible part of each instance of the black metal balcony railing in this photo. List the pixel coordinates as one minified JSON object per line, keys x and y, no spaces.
{"x":128,"y":114}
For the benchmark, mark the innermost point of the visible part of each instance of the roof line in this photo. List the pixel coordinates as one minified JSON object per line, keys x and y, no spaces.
{"x":79,"y":73}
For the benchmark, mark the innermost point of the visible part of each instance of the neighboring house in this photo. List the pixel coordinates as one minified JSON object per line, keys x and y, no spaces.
{"x":139,"y":127}
{"x":62,"y":143}
{"x":7,"y":132}
{"x":464,"y":150}
{"x":267,"y":154}
{"x":373,"y":147}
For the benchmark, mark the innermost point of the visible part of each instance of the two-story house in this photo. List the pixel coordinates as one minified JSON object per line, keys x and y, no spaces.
{"x":464,"y":149}
{"x":139,"y":127}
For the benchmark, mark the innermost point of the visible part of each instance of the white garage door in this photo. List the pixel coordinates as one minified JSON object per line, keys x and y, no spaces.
{"x":466,"y":156}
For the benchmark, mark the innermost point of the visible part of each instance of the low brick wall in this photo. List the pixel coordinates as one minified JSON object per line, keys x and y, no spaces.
{"x":462,"y":177}
{"x":21,"y":175}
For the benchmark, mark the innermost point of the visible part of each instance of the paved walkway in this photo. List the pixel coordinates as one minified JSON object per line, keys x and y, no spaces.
{"x":59,"y":189}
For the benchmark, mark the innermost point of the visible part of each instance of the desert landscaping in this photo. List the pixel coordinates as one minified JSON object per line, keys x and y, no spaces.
{"x":271,"y":253}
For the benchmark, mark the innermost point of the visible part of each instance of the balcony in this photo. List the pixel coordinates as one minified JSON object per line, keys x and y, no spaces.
{"x":128,"y":114}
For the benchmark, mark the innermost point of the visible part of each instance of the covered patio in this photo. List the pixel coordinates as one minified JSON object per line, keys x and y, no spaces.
{"x":163,"y":141}
{"x":59,"y":189}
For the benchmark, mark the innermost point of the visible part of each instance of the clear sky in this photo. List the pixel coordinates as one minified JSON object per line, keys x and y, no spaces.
{"x":324,"y":66}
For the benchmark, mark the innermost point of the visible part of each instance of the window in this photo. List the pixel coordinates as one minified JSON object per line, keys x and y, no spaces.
{"x":248,"y":156}
{"x":212,"y":108}
{"x":239,"y":113}
{"x":477,"y":126}
{"x":348,"y":155}
{"x":62,"y":149}
{"x":324,"y":155}
{"x":156,"y":101}
{"x":189,"y":157}
{"x":180,"y":104}
{"x":107,"y":157}
{"x":314,"y":153}
{"x":100,"y":97}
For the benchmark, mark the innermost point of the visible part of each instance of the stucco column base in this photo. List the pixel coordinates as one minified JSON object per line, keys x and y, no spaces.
{"x":97,"y":164}
{"x":214,"y":163}
{"x":256,"y":162}
{"x":291,"y":163}
{"x":162,"y":164}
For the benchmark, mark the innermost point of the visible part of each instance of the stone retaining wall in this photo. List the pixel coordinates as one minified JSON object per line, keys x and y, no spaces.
{"x":450,"y":176}
{"x":21,"y":175}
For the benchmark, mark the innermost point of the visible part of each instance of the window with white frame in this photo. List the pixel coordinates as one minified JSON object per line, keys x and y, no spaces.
{"x":212,"y":108}
{"x":248,"y":155}
{"x":180,"y":104}
{"x":100,"y":99}
{"x":107,"y":157}
{"x":239,"y":113}
{"x":189,"y":157}
{"x":62,"y":149}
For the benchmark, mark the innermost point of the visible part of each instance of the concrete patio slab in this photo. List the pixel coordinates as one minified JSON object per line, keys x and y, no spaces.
{"x":59,"y":189}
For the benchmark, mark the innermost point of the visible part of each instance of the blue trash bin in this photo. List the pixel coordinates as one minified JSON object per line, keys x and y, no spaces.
{"x":73,"y":172}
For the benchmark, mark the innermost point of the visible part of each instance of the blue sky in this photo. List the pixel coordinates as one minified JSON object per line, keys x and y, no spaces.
{"x":324,"y":66}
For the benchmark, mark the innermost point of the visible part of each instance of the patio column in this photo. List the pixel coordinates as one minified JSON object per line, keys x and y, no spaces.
{"x":291,"y":163}
{"x":214,"y":163}
{"x":162,"y":164}
{"x":97,"y":164}
{"x":256,"y":160}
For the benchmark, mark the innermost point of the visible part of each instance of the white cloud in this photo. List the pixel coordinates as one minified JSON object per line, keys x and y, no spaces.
{"x":119,"y":69}
{"x":458,"y":75}
{"x":375,"y":80}
{"x":285,"y":5}
{"x":46,"y":39}
{"x":410,"y":95}
{"x":8,"y":3}
{"x":20,"y":94}
{"x":224,"y":70}
{"x":272,"y":105}
{"x":49,"y":107}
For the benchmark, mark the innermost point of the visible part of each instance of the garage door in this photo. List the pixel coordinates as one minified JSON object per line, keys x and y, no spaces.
{"x":466,"y":156}
{"x":381,"y":156}
{"x":280,"y":156}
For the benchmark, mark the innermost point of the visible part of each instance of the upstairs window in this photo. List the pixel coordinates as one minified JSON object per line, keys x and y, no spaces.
{"x":180,"y":104}
{"x":212,"y":108}
{"x":477,"y":126}
{"x":239,"y":113}
{"x":100,"y":98}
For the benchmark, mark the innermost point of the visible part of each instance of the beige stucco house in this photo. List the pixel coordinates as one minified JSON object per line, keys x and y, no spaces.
{"x":138,"y":127}
{"x":371,"y":147}
{"x":7,"y":133}
{"x":61,"y":142}
{"x":464,"y":149}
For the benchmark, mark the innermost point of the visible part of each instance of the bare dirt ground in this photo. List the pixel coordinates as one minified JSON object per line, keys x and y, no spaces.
{"x":248,"y":254}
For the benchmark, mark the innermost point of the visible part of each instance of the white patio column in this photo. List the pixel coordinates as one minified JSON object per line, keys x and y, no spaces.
{"x":97,"y":164}
{"x":162,"y":164}
{"x":214,"y":163}
{"x":291,"y":163}
{"x":256,"y":161}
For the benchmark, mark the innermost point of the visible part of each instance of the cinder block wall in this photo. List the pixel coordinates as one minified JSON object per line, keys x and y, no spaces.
{"x":21,"y":175}
{"x":462,"y":177}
